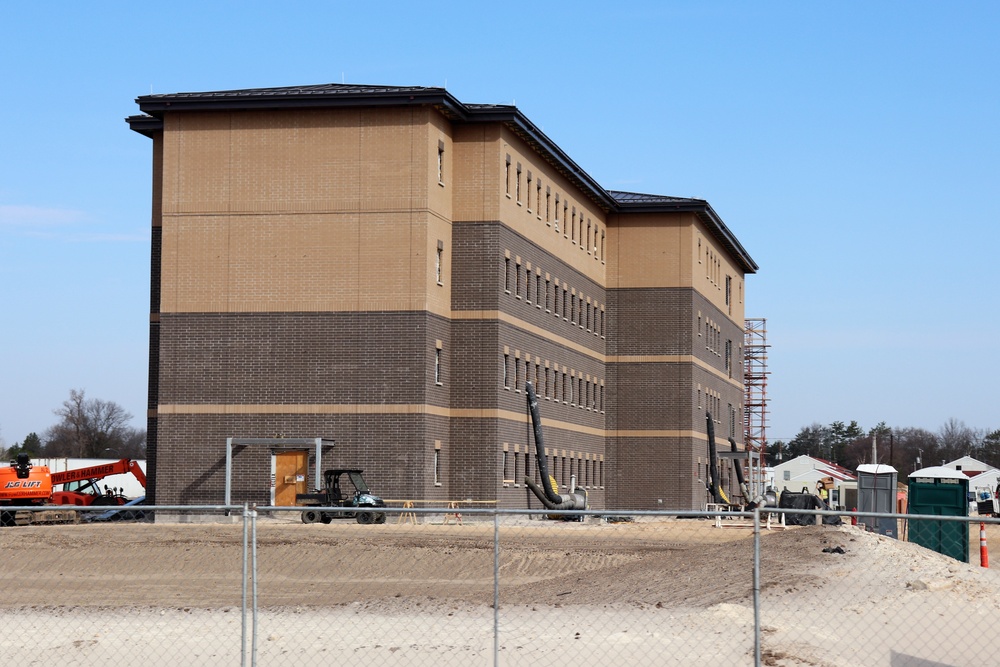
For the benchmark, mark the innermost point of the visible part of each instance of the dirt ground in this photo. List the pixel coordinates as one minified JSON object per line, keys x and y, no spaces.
{"x":651,"y":591}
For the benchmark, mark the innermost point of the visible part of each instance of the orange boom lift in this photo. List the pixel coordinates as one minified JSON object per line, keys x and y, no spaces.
{"x":23,"y":484}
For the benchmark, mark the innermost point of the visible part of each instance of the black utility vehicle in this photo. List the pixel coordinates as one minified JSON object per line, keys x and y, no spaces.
{"x":331,"y":503}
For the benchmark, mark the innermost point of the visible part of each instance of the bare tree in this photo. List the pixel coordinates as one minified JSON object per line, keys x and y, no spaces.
{"x":93,"y":428}
{"x":958,"y":440}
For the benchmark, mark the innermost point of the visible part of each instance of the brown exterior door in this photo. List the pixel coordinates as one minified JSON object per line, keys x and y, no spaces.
{"x":291,"y":471}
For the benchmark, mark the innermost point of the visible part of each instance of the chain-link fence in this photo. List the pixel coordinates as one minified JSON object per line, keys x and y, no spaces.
{"x":461,"y":586}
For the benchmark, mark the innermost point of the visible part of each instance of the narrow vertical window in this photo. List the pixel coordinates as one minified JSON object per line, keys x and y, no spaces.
{"x":527,"y":284}
{"x":587,"y":243}
{"x":538,"y":198}
{"x":572,"y":308}
{"x":565,"y":301}
{"x":506,"y":371}
{"x":517,"y":185}
{"x":506,"y":176}
{"x":440,"y":163}
{"x":547,"y":285}
{"x":439,"y":263}
{"x":538,"y":290}
{"x":437,"y":366}
{"x":506,"y":275}
{"x":548,"y":204}
{"x":517,"y":281}
{"x":437,"y":467}
{"x":528,"y":195}
{"x":557,"y":213}
{"x":602,"y":246}
{"x":517,"y":374}
{"x":572,"y":229}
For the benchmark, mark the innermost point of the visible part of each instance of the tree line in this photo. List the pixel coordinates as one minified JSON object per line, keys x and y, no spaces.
{"x":88,"y":428}
{"x":904,"y":448}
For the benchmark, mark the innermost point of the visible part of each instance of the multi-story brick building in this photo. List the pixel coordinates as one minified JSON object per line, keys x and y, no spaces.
{"x":387,"y":266}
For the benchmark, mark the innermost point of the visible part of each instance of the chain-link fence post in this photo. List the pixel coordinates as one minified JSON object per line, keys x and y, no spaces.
{"x":243,"y":597}
{"x":253,"y":579}
{"x":496,"y":588}
{"x":756,"y":586}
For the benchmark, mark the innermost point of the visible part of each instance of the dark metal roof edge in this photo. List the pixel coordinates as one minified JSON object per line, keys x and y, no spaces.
{"x":519,"y":123}
{"x":278,"y":98}
{"x":144,"y":124}
{"x":705,"y":213}
{"x":728,"y":239}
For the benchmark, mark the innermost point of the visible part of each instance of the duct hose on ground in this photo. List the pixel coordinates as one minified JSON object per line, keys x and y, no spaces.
{"x":545,"y":493}
{"x":713,"y":465}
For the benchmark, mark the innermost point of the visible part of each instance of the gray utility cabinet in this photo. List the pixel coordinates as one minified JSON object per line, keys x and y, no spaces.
{"x":877,"y":494}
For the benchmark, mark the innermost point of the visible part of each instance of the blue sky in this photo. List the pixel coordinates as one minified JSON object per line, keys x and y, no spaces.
{"x":852,"y":147}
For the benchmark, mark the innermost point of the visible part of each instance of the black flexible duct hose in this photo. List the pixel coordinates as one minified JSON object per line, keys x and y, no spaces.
{"x":548,"y":495}
{"x":713,"y":465}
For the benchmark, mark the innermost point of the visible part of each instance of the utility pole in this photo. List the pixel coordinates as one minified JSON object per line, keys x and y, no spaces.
{"x":874,"y":448}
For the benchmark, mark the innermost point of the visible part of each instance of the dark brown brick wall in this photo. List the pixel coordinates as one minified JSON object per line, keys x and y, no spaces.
{"x":392,"y":449}
{"x":266,"y":358}
{"x":660,"y":395}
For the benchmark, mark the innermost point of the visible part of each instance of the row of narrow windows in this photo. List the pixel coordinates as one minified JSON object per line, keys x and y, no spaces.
{"x":713,"y":343}
{"x":552,"y":383}
{"x":534,"y":287}
{"x":575,"y":226}
{"x":713,"y":335}
{"x":713,"y":273}
{"x":713,"y":265}
{"x":713,"y":404}
{"x":586,"y":472}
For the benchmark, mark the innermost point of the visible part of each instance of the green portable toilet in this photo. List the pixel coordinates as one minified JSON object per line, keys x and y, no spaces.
{"x":940,"y":491}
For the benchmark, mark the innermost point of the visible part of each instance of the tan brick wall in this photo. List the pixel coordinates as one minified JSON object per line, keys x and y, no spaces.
{"x":303,"y":211}
{"x":672,"y":250}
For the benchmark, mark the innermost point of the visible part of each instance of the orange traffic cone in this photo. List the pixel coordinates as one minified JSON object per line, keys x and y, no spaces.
{"x":984,"y":553}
